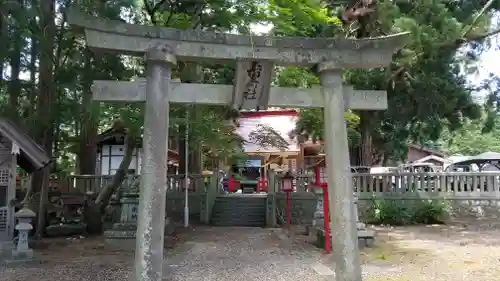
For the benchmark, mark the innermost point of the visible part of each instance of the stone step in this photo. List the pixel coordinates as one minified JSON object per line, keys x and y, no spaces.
{"x":239,"y":211}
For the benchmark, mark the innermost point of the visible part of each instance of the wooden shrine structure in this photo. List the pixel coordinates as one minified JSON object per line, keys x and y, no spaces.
{"x":16,"y":149}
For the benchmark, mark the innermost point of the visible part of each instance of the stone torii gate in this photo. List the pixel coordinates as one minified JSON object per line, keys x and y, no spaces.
{"x":256,"y":57}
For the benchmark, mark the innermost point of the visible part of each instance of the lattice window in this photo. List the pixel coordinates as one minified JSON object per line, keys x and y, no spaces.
{"x":4,"y":177}
{"x":3,"y":218}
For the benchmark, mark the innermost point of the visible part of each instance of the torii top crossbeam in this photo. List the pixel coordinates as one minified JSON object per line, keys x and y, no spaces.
{"x":189,"y":45}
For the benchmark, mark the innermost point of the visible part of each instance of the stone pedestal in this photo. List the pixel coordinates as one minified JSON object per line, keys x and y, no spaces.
{"x":123,"y":233}
{"x":22,"y":253}
{"x":318,"y":218}
{"x":316,"y":232}
{"x":366,"y":237}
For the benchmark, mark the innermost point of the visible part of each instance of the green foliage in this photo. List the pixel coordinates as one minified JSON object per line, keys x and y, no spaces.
{"x":301,"y":17}
{"x":407,"y":212}
{"x":311,"y":125}
{"x":427,"y":90}
{"x":471,"y":139}
{"x":431,"y":212}
{"x":389,"y":212}
{"x":430,"y":87}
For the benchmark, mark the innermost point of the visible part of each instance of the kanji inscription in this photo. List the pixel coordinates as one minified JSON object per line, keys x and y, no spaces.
{"x":253,"y":81}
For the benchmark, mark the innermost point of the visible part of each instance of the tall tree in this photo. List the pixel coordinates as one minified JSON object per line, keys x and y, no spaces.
{"x":426,"y":90}
{"x":46,"y":100}
{"x":4,"y":37}
{"x":14,"y":87}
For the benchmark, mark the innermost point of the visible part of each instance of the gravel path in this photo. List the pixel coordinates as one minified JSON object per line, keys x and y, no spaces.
{"x":463,"y":251}
{"x":207,"y":254}
{"x":241,"y":254}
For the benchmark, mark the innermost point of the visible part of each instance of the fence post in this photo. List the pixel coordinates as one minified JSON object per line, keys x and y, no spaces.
{"x":272,"y":182}
{"x":210,"y":196}
{"x":271,"y":210}
{"x":271,"y":220}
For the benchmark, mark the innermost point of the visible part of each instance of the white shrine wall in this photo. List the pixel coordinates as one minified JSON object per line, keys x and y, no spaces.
{"x":110,"y":157}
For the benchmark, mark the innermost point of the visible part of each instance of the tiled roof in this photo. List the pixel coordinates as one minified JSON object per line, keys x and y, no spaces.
{"x":32,"y":157}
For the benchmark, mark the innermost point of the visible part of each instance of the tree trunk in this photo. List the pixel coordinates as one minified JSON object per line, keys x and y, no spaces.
{"x":195,"y":160}
{"x":44,"y":201}
{"x":94,"y":211}
{"x":385,"y":159}
{"x":182,"y":148}
{"x":4,"y":37}
{"x":88,"y":138}
{"x":189,"y":73}
{"x":105,"y":194}
{"x":29,"y":113}
{"x":45,"y":103}
{"x":15,"y":65}
{"x":29,"y":191}
{"x":366,"y":138}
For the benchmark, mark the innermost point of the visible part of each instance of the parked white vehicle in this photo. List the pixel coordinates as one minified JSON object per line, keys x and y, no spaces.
{"x":417,"y":182}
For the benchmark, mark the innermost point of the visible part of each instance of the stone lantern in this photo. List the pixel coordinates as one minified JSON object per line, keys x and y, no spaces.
{"x":22,"y":252}
{"x":318,"y":212}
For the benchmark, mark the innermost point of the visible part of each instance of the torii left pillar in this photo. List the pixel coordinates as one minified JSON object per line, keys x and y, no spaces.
{"x":340,"y":192}
{"x":152,"y":200}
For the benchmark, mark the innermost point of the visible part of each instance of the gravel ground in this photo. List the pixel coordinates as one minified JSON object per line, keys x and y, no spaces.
{"x":204,"y":254}
{"x":462,"y":251}
{"x":240,"y":254}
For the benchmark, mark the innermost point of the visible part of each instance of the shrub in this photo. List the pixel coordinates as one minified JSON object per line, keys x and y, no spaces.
{"x":405,"y":212}
{"x":431,"y":212}
{"x":393,"y":212}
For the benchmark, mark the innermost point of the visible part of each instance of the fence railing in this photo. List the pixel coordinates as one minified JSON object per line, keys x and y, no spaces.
{"x":301,"y":182}
{"x":95,"y":183}
{"x":445,"y":185}
{"x":395,"y":185}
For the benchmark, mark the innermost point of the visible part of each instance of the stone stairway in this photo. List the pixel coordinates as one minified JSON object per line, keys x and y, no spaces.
{"x":240,"y":210}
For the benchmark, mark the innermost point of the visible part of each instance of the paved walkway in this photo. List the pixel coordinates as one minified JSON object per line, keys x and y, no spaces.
{"x":238,"y":253}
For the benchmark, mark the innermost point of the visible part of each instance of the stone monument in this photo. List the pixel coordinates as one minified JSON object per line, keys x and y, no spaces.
{"x":122,"y":234}
{"x":162,"y":47}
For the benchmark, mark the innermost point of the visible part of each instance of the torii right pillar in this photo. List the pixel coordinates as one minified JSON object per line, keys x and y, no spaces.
{"x":340,"y":191}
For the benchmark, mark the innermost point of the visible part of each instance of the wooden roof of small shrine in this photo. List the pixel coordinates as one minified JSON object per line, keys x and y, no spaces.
{"x":32,"y":157}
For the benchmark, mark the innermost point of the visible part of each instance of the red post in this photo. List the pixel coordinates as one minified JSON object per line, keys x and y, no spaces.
{"x":261,"y":185}
{"x":231,"y":182}
{"x":287,"y":187}
{"x":326,"y":207}
{"x":326,"y":220}
{"x":288,"y":211}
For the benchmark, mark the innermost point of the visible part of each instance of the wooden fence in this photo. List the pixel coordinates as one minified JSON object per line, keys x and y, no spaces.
{"x":95,"y":183}
{"x":395,"y":185}
{"x":438,"y":185}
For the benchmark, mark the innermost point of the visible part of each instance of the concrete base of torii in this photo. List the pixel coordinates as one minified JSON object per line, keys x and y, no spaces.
{"x":316,"y":232}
